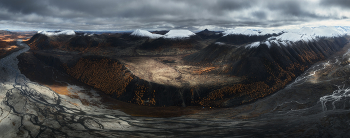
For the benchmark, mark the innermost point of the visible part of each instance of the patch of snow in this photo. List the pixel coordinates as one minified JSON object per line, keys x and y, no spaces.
{"x":144,"y":33}
{"x":219,"y":43}
{"x":48,"y":33}
{"x":242,"y":31}
{"x":269,"y":31}
{"x":289,"y":36}
{"x":284,"y":43}
{"x":86,"y":34}
{"x":251,"y":32}
{"x":255,"y":44}
{"x":343,"y":29}
{"x":272,"y":38}
{"x":172,"y":34}
{"x":268,"y":44}
{"x":312,"y":33}
{"x":305,"y":34}
{"x":178,"y":34}
{"x":275,"y":42}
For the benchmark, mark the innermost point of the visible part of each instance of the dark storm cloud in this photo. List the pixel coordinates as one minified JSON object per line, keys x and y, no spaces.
{"x":219,"y":7}
{"x":340,"y":3}
{"x":162,"y":14}
{"x":259,"y":14}
{"x":289,"y":8}
{"x":26,"y":6}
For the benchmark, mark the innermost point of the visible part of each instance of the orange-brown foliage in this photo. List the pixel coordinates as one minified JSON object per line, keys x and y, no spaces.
{"x":56,"y":44}
{"x":34,"y":44}
{"x":108,"y":76}
{"x":206,"y":69}
{"x":140,"y":93}
{"x":253,"y":90}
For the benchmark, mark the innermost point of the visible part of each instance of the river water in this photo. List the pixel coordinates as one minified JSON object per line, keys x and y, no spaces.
{"x":316,"y":104}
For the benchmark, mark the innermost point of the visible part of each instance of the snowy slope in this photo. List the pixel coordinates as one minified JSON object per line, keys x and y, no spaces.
{"x":48,"y":33}
{"x":251,"y":32}
{"x":144,"y":33}
{"x":172,"y":34}
{"x":343,"y":29}
{"x":255,"y":44}
{"x":310,"y":34}
{"x":287,"y":36}
{"x":178,"y":34}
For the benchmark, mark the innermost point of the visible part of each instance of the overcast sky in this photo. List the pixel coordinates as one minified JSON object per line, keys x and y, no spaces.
{"x":169,"y":14}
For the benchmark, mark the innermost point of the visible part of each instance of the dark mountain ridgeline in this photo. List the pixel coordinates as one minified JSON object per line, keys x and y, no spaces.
{"x":235,"y":39}
{"x":206,"y":34}
{"x":272,"y":67}
{"x":163,"y":43}
{"x":162,"y":32}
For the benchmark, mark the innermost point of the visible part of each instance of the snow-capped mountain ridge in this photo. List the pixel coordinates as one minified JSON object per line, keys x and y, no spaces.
{"x":178,"y":34}
{"x":144,"y":33}
{"x":54,"y":33}
{"x":250,"y":32}
{"x":287,"y":36}
{"x":172,"y":34}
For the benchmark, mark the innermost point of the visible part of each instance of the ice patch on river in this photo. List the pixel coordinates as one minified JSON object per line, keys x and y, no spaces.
{"x":340,"y":99}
